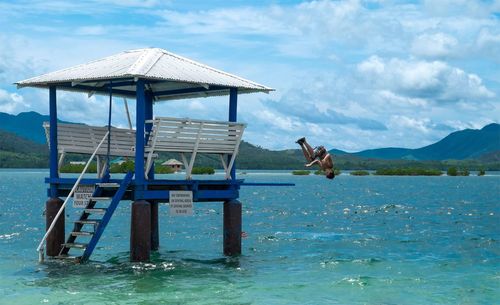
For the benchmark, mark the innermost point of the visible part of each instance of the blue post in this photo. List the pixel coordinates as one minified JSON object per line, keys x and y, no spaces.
{"x":155,"y":228}
{"x":139,"y":134}
{"x":149,"y":127}
{"x":233,"y":107}
{"x":53,"y":139}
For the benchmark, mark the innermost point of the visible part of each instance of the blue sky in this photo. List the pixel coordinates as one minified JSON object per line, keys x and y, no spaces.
{"x":350,"y":75}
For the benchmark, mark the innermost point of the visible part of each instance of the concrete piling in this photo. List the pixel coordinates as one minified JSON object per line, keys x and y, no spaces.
{"x":232,"y":228}
{"x":140,"y":231}
{"x":155,"y":233}
{"x":56,"y":238}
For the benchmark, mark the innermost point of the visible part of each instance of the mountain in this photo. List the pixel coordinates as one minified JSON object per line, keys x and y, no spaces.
{"x":459,"y":145}
{"x":464,"y":144}
{"x":14,"y":143}
{"x":26,"y":124}
{"x":16,"y":151}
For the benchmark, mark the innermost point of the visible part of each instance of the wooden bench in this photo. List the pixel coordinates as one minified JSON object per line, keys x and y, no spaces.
{"x":195,"y":136}
{"x":83,"y":139}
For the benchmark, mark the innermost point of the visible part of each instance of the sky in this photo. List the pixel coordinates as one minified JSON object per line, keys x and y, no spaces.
{"x":349,"y":75}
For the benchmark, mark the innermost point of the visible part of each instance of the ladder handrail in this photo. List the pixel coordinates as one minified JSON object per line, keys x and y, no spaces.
{"x":52,"y":225}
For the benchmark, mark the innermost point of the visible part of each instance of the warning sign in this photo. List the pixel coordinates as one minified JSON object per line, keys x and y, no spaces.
{"x":181,"y":203}
{"x":82,"y":195}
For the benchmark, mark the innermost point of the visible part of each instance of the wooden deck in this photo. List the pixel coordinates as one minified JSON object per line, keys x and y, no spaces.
{"x":158,"y":189}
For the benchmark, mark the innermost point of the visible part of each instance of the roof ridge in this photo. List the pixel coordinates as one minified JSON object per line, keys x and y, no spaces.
{"x":145,"y":62}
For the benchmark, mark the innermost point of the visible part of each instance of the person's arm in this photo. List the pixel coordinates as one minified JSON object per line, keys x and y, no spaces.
{"x":314,"y":162}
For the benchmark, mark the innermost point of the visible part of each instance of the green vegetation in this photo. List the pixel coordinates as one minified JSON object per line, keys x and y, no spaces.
{"x":408,"y":172}
{"x":205,"y":170}
{"x":163,"y":170}
{"x":18,"y":152}
{"x":481,"y":172}
{"x":78,"y":168}
{"x":10,"y":159}
{"x":127,"y":166}
{"x":453,"y":171}
{"x":301,"y":172}
{"x":360,"y":173}
{"x":115,"y":168}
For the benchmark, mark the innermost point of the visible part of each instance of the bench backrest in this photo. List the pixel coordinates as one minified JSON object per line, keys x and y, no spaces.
{"x":78,"y":138}
{"x":188,"y":135}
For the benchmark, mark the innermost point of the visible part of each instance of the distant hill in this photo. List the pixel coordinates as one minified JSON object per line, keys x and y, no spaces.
{"x":16,"y":151}
{"x":23,"y":135}
{"x":14,"y":143}
{"x":26,"y":124}
{"x":493,"y":156}
{"x":459,"y":145}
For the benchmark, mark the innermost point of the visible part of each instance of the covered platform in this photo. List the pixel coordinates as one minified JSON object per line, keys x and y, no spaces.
{"x":149,"y":76}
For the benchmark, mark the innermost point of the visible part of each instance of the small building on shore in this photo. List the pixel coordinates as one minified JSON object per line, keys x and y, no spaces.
{"x":77,"y":162}
{"x":174,"y":164}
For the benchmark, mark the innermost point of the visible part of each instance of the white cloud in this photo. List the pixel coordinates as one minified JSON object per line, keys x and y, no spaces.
{"x":434,"y":45}
{"x":316,"y":54}
{"x":404,"y":122}
{"x":431,"y":80}
{"x":397,"y":100}
{"x":12,"y":102}
{"x":486,"y":37}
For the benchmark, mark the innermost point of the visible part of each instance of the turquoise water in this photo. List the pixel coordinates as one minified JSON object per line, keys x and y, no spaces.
{"x":354,"y":240}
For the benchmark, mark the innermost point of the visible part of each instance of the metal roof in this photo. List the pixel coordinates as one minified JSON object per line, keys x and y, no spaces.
{"x":169,"y":76}
{"x":172,"y":162}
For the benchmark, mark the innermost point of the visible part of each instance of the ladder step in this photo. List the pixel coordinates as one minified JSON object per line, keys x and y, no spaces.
{"x":100,"y":198}
{"x":89,"y":221}
{"x":68,"y":257}
{"x":95,"y":211}
{"x":108,"y":185}
{"x":82,"y":233}
{"x":75,"y":245}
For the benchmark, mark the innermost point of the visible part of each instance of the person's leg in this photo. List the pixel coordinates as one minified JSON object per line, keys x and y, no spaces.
{"x":308,"y":151}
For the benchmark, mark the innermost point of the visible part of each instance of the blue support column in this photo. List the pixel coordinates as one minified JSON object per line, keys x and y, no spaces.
{"x":53,"y":139}
{"x":149,"y":126}
{"x":139,"y":134}
{"x":233,"y":108}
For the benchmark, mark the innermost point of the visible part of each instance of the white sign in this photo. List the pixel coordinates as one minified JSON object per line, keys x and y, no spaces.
{"x":82,"y":195}
{"x":181,"y":203}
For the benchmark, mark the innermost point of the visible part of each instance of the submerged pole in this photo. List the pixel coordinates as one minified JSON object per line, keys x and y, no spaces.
{"x":232,"y":227}
{"x":55,"y":239}
{"x":140,"y":231}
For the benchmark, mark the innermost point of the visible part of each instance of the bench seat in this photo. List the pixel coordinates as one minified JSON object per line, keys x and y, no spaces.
{"x":83,"y":139}
{"x":191,"y":136}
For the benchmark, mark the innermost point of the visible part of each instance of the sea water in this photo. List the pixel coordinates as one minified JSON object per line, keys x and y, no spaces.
{"x":353,"y":240}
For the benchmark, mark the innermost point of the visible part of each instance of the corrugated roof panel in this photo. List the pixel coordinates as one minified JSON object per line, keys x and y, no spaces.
{"x":155,"y":64}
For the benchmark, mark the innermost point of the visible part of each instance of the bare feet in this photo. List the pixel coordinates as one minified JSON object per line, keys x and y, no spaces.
{"x":301,"y":141}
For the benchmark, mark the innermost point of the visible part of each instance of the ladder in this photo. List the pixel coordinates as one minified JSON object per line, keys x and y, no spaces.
{"x":91,"y":229}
